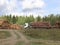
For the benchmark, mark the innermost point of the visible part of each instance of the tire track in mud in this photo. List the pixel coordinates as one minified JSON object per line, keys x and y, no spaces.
{"x":13,"y":39}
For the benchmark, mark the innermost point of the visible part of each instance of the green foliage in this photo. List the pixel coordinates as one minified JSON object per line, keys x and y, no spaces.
{"x":27,"y":19}
{"x":38,"y":18}
{"x":8,"y":18}
{"x":21,"y":20}
{"x":51,"y":18}
{"x":14,"y":20}
{"x":45,"y":18}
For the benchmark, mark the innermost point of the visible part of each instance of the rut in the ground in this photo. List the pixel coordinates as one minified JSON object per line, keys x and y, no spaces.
{"x":13,"y":39}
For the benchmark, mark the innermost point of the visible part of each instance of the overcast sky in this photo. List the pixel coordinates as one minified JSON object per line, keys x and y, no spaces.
{"x":27,"y":7}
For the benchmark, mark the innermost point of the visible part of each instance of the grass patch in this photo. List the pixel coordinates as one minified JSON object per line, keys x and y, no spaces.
{"x":37,"y":43}
{"x":4,"y":34}
{"x":50,"y":34}
{"x":19,"y":43}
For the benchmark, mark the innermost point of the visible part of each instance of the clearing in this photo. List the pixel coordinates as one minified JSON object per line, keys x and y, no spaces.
{"x":30,"y":37}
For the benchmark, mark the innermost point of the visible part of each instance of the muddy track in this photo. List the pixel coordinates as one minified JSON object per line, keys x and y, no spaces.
{"x":19,"y":36}
{"x":13,"y":39}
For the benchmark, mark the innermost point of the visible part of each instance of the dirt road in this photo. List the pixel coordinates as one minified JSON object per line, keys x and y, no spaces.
{"x":14,"y":38}
{"x":18,"y":36}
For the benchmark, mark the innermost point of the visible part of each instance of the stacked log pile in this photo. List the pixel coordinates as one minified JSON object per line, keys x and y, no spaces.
{"x":41,"y":25}
{"x":6,"y":25}
{"x":15,"y":26}
{"x":57,"y":24}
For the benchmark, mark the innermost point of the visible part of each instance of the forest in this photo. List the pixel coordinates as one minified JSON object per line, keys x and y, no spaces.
{"x":52,"y":18}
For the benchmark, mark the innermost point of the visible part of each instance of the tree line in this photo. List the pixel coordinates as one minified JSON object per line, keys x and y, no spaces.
{"x":27,"y":19}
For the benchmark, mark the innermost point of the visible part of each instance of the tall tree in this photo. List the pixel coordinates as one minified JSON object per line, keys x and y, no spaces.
{"x":14,"y":19}
{"x":38,"y":18}
{"x":8,"y":18}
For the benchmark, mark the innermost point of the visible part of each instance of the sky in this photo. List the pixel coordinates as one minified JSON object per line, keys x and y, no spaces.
{"x":29,"y":7}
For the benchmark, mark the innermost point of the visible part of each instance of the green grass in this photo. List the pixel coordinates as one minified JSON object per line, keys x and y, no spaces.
{"x":19,"y":43}
{"x":37,"y":43}
{"x":4,"y":34}
{"x":31,"y":43}
{"x":44,"y":43}
{"x":49,"y":34}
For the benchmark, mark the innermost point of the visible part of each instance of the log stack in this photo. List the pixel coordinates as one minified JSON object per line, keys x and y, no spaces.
{"x":4,"y":24}
{"x":15,"y":26}
{"x":57,"y":24}
{"x":40,"y":25}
